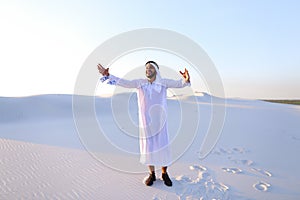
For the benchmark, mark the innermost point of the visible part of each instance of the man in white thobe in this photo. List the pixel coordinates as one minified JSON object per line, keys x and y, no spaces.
{"x":152,"y":103}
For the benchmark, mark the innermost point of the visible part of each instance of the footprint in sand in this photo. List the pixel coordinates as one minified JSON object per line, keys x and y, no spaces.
{"x":183,"y":178}
{"x":242,"y":162}
{"x":262,"y":186}
{"x":232,"y":170}
{"x":240,"y":150}
{"x":198,"y":167}
{"x":235,"y":150}
{"x":222,"y":151}
{"x":261,"y":171}
{"x":202,"y":171}
{"x":202,"y":186}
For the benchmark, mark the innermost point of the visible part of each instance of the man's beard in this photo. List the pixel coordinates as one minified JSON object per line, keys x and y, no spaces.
{"x":151,"y":75}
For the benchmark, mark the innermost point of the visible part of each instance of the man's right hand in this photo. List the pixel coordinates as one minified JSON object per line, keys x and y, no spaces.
{"x":102,"y":70}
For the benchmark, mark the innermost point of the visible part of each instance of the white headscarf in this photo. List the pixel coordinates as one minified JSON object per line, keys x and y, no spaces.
{"x":157,"y":85}
{"x":158,"y":77}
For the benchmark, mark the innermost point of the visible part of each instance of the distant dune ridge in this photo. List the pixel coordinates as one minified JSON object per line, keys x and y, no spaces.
{"x":42,"y":156}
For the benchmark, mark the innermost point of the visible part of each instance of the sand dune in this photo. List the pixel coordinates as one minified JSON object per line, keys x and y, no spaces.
{"x":42,"y":156}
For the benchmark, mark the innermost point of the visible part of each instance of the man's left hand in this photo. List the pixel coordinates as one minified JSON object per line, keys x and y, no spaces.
{"x":185,"y":75}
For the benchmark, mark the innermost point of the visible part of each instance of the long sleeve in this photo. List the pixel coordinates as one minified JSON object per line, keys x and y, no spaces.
{"x":125,"y":83}
{"x":175,"y":83}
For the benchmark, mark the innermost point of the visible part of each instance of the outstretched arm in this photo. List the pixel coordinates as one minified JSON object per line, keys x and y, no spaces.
{"x":118,"y":81}
{"x":179,"y":83}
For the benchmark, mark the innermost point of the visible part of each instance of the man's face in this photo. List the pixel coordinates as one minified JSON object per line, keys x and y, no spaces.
{"x":150,"y":71}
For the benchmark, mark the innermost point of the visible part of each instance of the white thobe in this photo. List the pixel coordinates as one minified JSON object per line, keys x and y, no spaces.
{"x":153,"y":128}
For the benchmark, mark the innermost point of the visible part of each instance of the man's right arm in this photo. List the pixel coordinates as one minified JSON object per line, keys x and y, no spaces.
{"x":116,"y":80}
{"x":123,"y":82}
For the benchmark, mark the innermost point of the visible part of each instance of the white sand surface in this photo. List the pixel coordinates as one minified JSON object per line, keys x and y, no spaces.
{"x":42,"y":156}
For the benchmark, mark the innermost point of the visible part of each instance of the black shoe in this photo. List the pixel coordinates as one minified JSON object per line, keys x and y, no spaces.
{"x":150,"y":179}
{"x":166,"y":179}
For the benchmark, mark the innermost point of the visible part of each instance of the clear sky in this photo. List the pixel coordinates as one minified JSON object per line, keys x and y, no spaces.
{"x":254,"y":44}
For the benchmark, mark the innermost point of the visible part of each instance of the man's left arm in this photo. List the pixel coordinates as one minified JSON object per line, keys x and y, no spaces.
{"x":179,"y":83}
